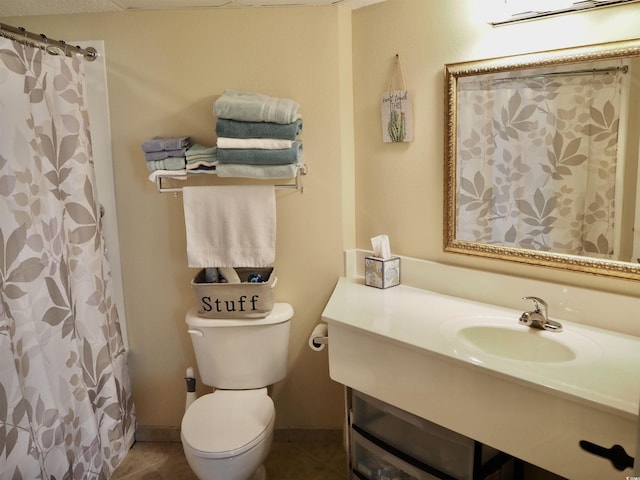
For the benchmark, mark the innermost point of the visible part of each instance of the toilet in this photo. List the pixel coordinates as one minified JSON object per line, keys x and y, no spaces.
{"x":227,"y":434}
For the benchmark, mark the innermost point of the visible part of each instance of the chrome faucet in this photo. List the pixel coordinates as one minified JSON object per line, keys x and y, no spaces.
{"x":538,"y":317}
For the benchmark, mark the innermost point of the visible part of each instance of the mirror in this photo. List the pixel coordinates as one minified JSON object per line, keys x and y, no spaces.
{"x":541,"y":159}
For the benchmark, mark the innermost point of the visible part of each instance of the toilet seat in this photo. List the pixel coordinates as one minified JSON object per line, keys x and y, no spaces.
{"x":226,"y":423}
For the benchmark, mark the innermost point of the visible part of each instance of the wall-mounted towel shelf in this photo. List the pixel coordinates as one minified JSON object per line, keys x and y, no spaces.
{"x":162,"y":177}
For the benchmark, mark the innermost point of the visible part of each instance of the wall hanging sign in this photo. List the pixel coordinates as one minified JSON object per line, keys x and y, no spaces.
{"x":397,"y":122}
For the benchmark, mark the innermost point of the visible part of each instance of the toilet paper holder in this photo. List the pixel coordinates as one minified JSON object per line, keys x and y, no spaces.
{"x":317,"y":341}
{"x":319,"y":337}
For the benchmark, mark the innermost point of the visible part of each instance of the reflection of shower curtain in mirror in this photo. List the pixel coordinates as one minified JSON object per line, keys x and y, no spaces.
{"x":66,"y":409}
{"x":537,"y":162}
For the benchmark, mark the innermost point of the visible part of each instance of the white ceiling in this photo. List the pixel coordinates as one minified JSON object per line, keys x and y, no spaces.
{"x":11,"y":8}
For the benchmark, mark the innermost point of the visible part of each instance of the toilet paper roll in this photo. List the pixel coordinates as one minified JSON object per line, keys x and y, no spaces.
{"x":319,"y":338}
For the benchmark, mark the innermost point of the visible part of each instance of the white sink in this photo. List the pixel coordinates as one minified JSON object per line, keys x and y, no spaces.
{"x":502,"y":337}
{"x":516,"y":344}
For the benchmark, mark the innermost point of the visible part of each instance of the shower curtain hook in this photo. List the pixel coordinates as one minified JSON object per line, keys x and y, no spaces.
{"x":45,"y":43}
{"x":24,"y":32}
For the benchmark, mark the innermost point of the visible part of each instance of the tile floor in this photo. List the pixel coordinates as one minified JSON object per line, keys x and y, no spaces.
{"x":286,"y":461}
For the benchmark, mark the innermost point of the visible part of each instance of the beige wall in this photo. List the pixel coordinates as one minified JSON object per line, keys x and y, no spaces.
{"x":166,"y":68}
{"x":399,"y":186}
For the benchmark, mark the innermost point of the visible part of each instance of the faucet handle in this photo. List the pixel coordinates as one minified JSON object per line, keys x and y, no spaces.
{"x":537,"y":302}
{"x":525,"y":319}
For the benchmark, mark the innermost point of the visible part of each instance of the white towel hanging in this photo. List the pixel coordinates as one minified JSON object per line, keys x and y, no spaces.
{"x":230,"y":225}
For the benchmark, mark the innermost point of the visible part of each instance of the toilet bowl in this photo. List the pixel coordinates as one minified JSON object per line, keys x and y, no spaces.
{"x":226,"y":435}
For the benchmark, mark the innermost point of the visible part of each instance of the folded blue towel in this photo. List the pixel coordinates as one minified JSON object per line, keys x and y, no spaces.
{"x":256,"y":107}
{"x":159,"y":144}
{"x":153,"y":156}
{"x":261,"y":157}
{"x":170,"y":163}
{"x":235,"y":129}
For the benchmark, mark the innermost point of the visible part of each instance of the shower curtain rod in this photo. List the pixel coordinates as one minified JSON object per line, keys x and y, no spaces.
{"x":54,"y":47}
{"x":586,"y":71}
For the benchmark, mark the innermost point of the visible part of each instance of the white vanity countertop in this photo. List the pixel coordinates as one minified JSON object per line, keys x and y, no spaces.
{"x":606,"y":371}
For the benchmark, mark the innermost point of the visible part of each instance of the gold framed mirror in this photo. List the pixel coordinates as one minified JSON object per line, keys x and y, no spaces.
{"x":541,"y":159}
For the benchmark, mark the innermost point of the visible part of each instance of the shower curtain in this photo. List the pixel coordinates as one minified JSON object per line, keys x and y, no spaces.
{"x":537,"y":162}
{"x":66,"y":409}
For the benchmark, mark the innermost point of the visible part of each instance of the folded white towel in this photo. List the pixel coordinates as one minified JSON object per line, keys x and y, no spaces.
{"x":230,"y":225}
{"x":175,"y":174}
{"x":255,"y":143}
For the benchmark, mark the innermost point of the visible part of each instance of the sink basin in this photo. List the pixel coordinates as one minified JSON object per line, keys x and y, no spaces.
{"x":502,"y":337}
{"x":517,"y":344}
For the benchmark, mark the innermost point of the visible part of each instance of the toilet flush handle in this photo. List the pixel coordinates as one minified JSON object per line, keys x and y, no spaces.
{"x":197,"y":333}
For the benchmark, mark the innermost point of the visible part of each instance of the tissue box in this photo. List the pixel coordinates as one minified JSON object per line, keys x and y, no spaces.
{"x":381,"y":273}
{"x":236,"y":300}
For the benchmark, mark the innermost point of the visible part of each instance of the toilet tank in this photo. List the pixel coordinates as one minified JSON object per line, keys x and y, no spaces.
{"x":240,"y":354}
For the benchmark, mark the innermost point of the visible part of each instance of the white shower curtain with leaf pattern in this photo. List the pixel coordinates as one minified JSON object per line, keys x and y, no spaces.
{"x":66,"y":410}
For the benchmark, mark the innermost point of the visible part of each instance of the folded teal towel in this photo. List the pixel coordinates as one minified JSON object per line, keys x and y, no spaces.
{"x":261,"y":157}
{"x":171,"y":163}
{"x":235,"y":129}
{"x":153,"y":156}
{"x":202,"y":161}
{"x":158,"y":144}
{"x":257,"y":171}
{"x":256,"y":107}
{"x":201,"y":158}
{"x":200,"y":151}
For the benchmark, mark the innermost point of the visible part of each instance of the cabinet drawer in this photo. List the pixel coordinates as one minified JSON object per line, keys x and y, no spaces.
{"x":374,"y":463}
{"x":446,"y":451}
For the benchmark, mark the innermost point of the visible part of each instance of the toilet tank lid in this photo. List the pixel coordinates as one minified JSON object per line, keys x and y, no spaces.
{"x":281,"y":312}
{"x":227,"y":423}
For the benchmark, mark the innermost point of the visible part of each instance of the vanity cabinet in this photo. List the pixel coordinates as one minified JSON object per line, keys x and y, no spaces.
{"x":387,"y":443}
{"x":396,"y":345}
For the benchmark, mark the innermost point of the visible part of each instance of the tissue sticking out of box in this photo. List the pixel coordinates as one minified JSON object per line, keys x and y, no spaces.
{"x":382,"y":270}
{"x":381,"y":247}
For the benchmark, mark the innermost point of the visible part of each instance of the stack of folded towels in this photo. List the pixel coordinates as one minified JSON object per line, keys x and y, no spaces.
{"x":201,"y":159}
{"x":257,"y":136}
{"x":178,"y":155}
{"x":166,"y":153}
